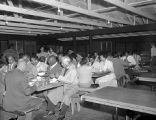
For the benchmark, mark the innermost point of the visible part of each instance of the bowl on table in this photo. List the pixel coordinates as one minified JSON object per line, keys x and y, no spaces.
{"x":41,"y":74}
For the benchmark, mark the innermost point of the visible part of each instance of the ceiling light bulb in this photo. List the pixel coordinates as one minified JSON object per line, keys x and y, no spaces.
{"x":58,"y":10}
{"x":6,"y":22}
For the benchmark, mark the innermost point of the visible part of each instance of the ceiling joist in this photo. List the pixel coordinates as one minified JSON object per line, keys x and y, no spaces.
{"x":38,"y":22}
{"x":23,"y":25}
{"x":124,"y":6}
{"x":47,"y":15}
{"x":80,"y":10}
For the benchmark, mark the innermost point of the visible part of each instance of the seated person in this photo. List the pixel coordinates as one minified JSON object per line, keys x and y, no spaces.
{"x":18,"y":92}
{"x":31,"y":70}
{"x":42,"y":52}
{"x":11,"y":63}
{"x":10,"y":52}
{"x":84,"y":73}
{"x":71,"y":87}
{"x":129,"y":58}
{"x":51,"y":52}
{"x":94,"y":63}
{"x":107,"y":72}
{"x":54,"y":69}
{"x":118,"y":65}
{"x":137,"y":59}
{"x":54,"y":96}
{"x":39,"y":64}
{"x":78,"y":59}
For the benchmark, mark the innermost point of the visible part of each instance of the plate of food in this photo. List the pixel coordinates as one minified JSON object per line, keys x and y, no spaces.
{"x":41,"y":73}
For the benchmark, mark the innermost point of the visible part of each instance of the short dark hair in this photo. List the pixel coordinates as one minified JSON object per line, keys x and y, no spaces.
{"x":83,"y":61}
{"x":104,"y":54}
{"x":42,"y":59}
{"x":35,"y":57}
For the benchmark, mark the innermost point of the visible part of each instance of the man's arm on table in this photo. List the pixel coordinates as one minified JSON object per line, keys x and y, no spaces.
{"x":28,"y":90}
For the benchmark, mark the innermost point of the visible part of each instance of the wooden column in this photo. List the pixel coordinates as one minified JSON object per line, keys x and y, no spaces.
{"x":90,"y":44}
{"x":74,"y":44}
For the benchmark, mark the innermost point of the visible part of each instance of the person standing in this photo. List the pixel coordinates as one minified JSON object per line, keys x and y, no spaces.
{"x":153,"y":55}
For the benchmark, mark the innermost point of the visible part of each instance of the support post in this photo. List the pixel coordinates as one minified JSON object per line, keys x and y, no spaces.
{"x":90,"y":44}
{"x":74,"y":44}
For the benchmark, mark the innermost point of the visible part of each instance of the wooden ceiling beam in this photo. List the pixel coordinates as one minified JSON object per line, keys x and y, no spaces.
{"x":29,"y":30}
{"x":38,"y":27}
{"x":23,"y":32}
{"x":126,"y":29}
{"x":80,"y":10}
{"x":16,"y":33}
{"x":38,"y":22}
{"x":134,"y":4}
{"x":131,"y":9}
{"x":47,"y":15}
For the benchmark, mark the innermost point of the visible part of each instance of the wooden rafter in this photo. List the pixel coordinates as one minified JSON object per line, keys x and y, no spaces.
{"x":38,"y":22}
{"x":16,"y":33}
{"x":23,"y":32}
{"x":29,"y":30}
{"x":47,"y":15}
{"x":80,"y":10}
{"x":131,"y":9}
{"x":134,"y":4}
{"x":23,"y":25}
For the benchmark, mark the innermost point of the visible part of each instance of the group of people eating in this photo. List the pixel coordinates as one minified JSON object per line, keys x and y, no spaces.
{"x":73,"y":69}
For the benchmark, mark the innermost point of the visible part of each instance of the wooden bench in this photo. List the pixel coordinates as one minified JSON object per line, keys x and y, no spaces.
{"x":76,"y":98}
{"x":26,"y":112}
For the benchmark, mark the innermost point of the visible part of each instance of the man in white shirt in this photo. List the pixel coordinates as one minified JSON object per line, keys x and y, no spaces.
{"x":153,"y":55}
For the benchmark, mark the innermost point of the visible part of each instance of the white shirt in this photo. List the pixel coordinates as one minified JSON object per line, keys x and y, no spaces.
{"x":131,"y":60}
{"x":106,"y":66}
{"x":41,"y":67}
{"x":71,"y":76}
{"x":84,"y":74}
{"x":153,"y":51}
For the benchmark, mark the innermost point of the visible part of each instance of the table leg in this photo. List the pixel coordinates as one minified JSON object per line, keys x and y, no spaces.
{"x":116,"y":113}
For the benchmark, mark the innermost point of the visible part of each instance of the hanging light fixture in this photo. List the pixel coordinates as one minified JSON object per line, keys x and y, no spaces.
{"x":6,"y":22}
{"x":58,"y":10}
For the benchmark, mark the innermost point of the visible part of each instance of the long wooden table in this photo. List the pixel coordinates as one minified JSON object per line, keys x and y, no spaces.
{"x":49,"y":86}
{"x":131,"y":99}
{"x":148,"y":79}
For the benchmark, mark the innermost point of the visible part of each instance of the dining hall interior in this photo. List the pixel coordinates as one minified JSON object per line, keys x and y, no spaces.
{"x":77,"y":59}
